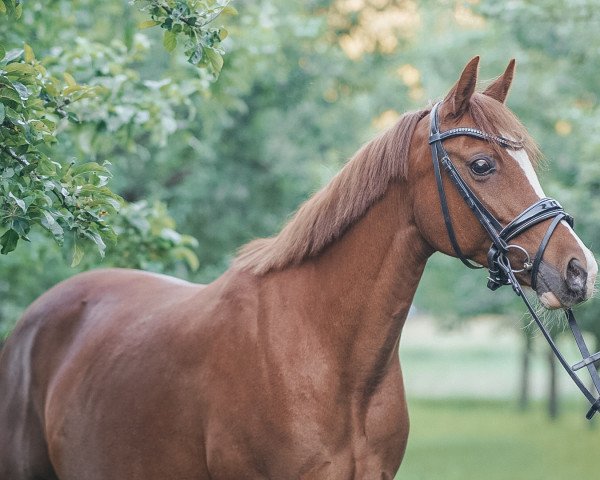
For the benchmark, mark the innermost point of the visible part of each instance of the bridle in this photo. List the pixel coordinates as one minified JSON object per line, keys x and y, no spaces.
{"x":500,"y":270}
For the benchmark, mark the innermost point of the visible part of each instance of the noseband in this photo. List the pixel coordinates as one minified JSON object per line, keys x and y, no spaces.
{"x":500,"y":270}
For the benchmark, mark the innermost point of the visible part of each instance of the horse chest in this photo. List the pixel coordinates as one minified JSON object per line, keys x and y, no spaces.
{"x":308,"y":436}
{"x":354,"y":458}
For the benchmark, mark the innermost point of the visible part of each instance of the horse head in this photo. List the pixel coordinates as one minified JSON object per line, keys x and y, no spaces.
{"x":490,"y":152}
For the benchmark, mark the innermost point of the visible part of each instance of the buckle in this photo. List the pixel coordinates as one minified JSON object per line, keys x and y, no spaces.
{"x":593,"y":409}
{"x":497,"y":271}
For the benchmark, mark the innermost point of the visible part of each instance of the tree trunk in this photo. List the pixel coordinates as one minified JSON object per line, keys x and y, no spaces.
{"x":552,"y":387}
{"x":525,"y":371}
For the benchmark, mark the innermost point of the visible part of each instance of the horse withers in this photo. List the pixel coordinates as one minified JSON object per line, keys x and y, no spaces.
{"x":286,"y":367}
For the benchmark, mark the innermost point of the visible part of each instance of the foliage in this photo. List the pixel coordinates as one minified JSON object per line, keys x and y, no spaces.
{"x":148,"y":240}
{"x":152,"y":241}
{"x":190,"y":19}
{"x":42,"y":182}
{"x":35,"y":188}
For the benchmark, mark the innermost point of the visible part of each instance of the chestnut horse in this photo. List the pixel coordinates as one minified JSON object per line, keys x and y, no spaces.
{"x":286,"y":367}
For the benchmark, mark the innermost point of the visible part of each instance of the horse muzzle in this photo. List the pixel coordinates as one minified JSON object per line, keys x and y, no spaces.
{"x":575,"y":285}
{"x":556,"y":290}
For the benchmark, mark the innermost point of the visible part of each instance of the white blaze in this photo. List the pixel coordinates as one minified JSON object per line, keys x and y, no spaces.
{"x":523,"y":160}
{"x":592,"y":267}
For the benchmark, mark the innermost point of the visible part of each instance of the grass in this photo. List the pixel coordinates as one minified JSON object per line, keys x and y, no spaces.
{"x":491,"y":440}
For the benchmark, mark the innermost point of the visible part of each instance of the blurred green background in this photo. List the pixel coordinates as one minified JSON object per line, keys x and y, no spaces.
{"x":205,"y":165}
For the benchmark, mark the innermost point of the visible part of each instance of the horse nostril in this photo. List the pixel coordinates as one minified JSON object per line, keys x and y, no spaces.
{"x":576,"y":277}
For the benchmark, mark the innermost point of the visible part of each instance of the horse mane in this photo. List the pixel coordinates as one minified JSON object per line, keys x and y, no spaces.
{"x":332,"y":210}
{"x":328,"y":214}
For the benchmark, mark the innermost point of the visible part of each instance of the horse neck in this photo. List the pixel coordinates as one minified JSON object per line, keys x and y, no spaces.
{"x":357,"y":293}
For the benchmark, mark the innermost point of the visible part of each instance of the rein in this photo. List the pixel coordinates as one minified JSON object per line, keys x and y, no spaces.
{"x":500,"y":270}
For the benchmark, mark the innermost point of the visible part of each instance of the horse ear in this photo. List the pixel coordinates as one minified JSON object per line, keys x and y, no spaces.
{"x":498,"y":89}
{"x":457,"y":100}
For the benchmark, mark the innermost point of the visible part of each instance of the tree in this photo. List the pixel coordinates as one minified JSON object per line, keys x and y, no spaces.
{"x":40,"y":186}
{"x":53,"y":173}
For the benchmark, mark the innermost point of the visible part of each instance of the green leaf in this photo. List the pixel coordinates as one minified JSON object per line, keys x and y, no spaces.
{"x":10,"y":94}
{"x":77,"y":255}
{"x":2,"y":50}
{"x":169,"y":41}
{"x":229,"y":10}
{"x":40,"y":126}
{"x":72,"y":88}
{"x":148,"y":24}
{"x":196,"y":56}
{"x":15,"y":117}
{"x":93,"y":236}
{"x":22,"y":90}
{"x":89,"y":167}
{"x":9,"y":241}
{"x":2,"y":113}
{"x":188,"y":256}
{"x":29,"y":56}
{"x":21,"y":226}
{"x":215,"y":59}
{"x":46,"y":167}
{"x":2,"y":7}
{"x":19,"y":202}
{"x":40,"y":69}
{"x":19,"y":11}
{"x":13,"y":54}
{"x":22,"y":68}
{"x":115,"y":203}
{"x":73,"y":118}
{"x":69,"y":79}
{"x":50,"y":125}
{"x":49,"y":222}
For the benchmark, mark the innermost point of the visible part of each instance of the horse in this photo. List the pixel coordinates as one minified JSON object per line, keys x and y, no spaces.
{"x":286,"y":366}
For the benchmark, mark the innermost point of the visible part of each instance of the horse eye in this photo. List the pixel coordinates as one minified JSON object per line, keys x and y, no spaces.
{"x":482,"y":166}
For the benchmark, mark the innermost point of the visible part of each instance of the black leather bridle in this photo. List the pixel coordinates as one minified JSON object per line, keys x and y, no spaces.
{"x":500,"y":269}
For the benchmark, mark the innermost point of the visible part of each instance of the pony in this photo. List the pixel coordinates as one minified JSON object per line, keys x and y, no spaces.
{"x":287,"y":366}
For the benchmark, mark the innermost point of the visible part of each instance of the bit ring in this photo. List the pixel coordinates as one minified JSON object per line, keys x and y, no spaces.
{"x":527,"y":264}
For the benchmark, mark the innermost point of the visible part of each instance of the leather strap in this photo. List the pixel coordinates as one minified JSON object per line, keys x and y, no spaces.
{"x":447,"y":218}
{"x":587,"y":359}
{"x":594,"y":402}
{"x":540,"y":253}
{"x":501,"y":272}
{"x":538,"y":212}
{"x":439,"y":155}
{"x":472,"y":132}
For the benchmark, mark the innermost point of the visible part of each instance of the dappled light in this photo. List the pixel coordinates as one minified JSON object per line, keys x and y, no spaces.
{"x":366,"y":26}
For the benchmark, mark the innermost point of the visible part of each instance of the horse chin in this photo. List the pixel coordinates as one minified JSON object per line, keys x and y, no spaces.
{"x":550,"y":301}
